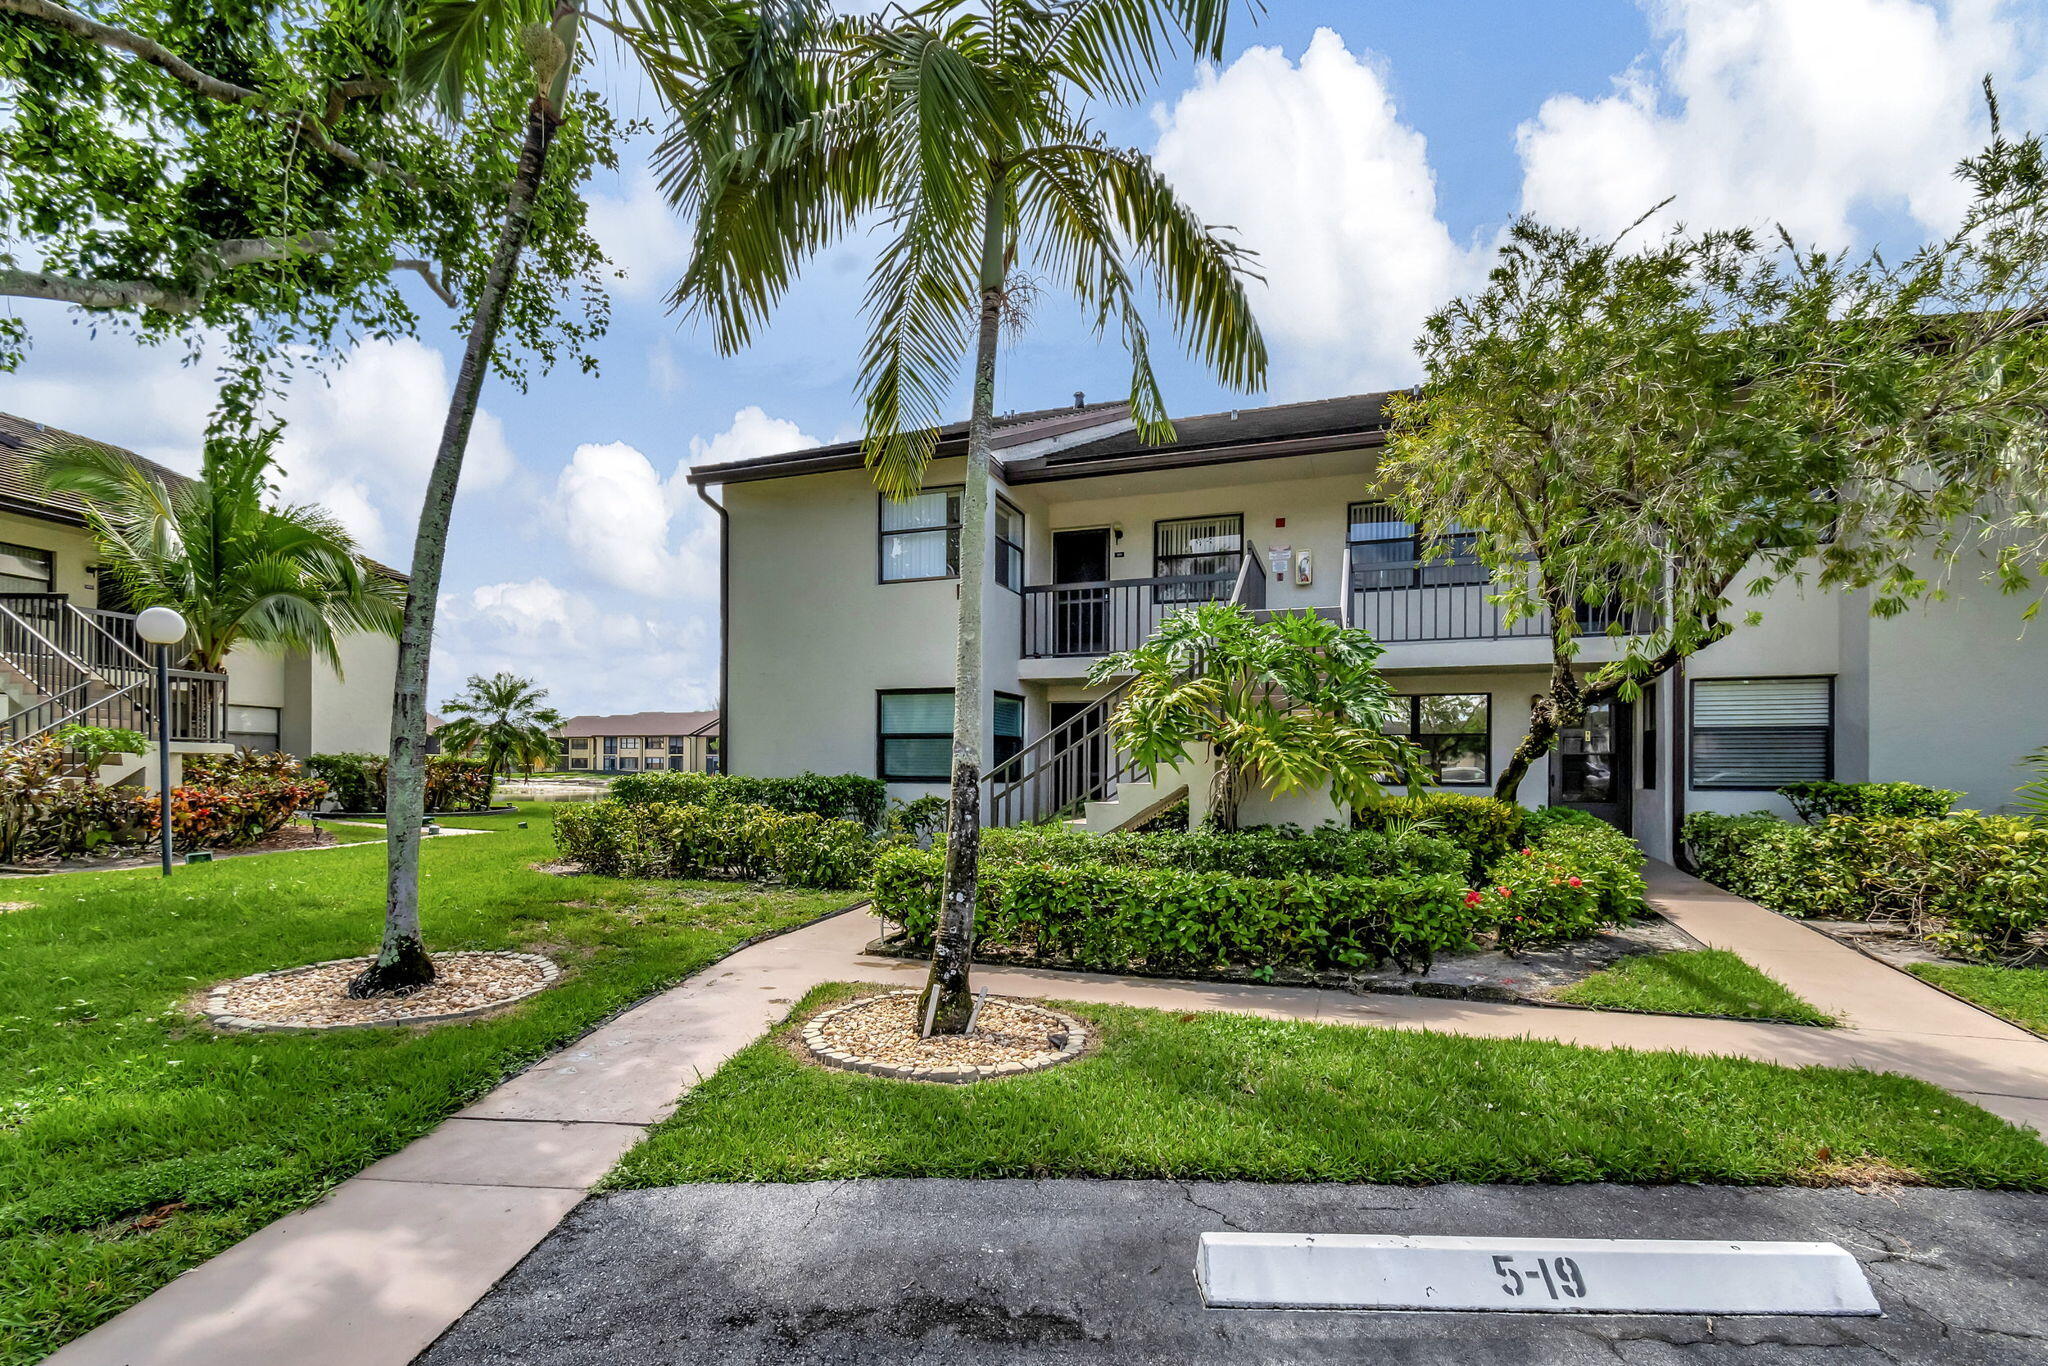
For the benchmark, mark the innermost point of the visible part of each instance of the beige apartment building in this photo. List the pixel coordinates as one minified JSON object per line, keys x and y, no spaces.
{"x":641,"y":741}
{"x":840,"y":609}
{"x":69,"y":652}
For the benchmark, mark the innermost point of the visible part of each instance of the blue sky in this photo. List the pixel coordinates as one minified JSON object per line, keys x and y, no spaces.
{"x":1369,"y":153}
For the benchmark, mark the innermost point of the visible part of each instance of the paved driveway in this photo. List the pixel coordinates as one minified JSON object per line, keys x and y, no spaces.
{"x":1101,"y":1271}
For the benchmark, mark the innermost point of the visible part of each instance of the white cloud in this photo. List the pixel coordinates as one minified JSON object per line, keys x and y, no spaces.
{"x":590,"y":657}
{"x":1313,"y":166}
{"x":634,"y":529}
{"x":1812,"y":113}
{"x":641,"y":234}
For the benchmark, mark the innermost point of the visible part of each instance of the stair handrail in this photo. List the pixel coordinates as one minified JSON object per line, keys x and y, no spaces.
{"x":58,"y":650}
{"x":91,"y":625}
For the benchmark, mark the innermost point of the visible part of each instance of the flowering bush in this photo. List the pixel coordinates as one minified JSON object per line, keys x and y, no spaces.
{"x":1537,"y":898}
{"x":227,"y":815}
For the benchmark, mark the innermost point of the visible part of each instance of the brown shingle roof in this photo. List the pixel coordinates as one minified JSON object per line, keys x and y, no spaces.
{"x":641,"y":723}
{"x":1012,"y":429}
{"x":20,"y":493}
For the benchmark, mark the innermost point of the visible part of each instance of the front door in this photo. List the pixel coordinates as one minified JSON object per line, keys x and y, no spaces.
{"x":1080,"y":615}
{"x":1589,"y":768}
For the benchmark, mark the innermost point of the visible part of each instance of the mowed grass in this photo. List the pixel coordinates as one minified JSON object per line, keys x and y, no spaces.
{"x":1692,"y":982}
{"x":135,"y":1143}
{"x":1232,"y":1097}
{"x":2018,"y":994}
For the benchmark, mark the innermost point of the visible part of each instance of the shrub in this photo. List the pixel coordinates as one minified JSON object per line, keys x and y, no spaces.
{"x":244,"y":765}
{"x":1970,"y":884}
{"x":719,"y":839}
{"x":1274,"y":851}
{"x":1116,"y":917}
{"x":454,"y":784}
{"x":1486,"y":828}
{"x":1598,"y":855}
{"x":1815,"y":802}
{"x":227,"y":815}
{"x":93,"y":744}
{"x":1576,"y":874}
{"x":918,"y":820}
{"x":844,"y":796}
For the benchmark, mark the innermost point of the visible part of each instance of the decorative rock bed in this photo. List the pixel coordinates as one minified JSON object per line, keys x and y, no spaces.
{"x":879,"y":1035}
{"x":316,"y":996}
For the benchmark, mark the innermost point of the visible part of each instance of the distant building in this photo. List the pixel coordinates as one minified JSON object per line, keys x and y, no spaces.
{"x":641,"y":741}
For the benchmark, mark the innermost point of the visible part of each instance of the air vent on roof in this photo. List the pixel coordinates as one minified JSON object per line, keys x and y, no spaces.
{"x":1080,"y":399}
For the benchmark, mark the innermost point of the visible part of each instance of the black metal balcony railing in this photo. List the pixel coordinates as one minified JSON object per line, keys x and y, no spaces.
{"x":1069,"y":620}
{"x":90,"y":668}
{"x":1425,"y":601}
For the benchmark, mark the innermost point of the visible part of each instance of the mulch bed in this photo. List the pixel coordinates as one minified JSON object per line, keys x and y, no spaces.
{"x":316,"y":996}
{"x":146,"y":856}
{"x":880,"y":1035}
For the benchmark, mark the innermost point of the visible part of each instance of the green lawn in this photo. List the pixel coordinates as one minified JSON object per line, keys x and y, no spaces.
{"x":1223,"y":1097}
{"x":2019,"y":994}
{"x":1694,"y":982}
{"x":134,"y":1144}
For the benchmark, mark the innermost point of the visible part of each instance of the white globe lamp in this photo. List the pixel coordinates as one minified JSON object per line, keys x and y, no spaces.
{"x":162,"y":627}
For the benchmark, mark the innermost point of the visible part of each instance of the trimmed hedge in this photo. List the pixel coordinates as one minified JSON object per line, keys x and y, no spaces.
{"x":1970,"y":884}
{"x":356,"y":781}
{"x":843,"y":796}
{"x":716,"y":840}
{"x":1165,"y":919}
{"x":1486,"y":828}
{"x":1276,"y":851}
{"x":1815,"y":802}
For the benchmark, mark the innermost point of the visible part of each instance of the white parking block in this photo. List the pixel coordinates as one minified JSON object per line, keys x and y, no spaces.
{"x":1525,"y":1275}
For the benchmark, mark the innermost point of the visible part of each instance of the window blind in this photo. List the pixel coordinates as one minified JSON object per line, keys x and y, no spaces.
{"x":1761,"y":733}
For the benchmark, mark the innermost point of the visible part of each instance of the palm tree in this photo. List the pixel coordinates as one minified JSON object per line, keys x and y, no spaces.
{"x":502,"y":716}
{"x":238,"y":566}
{"x":720,"y":66}
{"x":961,"y":128}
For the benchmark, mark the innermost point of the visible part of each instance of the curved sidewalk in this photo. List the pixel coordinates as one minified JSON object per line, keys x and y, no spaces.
{"x":374,"y":1273}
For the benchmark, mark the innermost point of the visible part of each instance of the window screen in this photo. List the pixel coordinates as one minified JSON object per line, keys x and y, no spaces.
{"x":921,"y":536}
{"x":1194,"y":546}
{"x":1009,"y":719}
{"x":1388,"y":551}
{"x":1009,"y":547}
{"x":25,"y":569}
{"x":915,"y":737}
{"x":254,"y":728}
{"x":1761,"y":733}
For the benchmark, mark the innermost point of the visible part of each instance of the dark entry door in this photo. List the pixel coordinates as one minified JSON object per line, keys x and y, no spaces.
{"x":1077,"y":768}
{"x":1589,"y":768}
{"x":1080,"y":615}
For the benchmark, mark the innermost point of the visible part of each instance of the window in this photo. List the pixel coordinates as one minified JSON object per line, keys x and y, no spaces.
{"x":921,"y":536}
{"x":579,"y":763}
{"x":254,"y":728}
{"x":611,"y":744}
{"x":914,"y":736}
{"x":1756,"y":734}
{"x":629,"y":742}
{"x":25,"y":569}
{"x":1454,"y":731}
{"x":1009,"y":719}
{"x":1009,"y":547}
{"x":1192,"y":546}
{"x":1647,"y":708}
{"x":1388,"y":551}
{"x":711,"y":754}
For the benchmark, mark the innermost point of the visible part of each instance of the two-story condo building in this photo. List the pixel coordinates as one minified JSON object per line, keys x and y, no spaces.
{"x":641,"y":741}
{"x":840,"y":606}
{"x":69,"y":652}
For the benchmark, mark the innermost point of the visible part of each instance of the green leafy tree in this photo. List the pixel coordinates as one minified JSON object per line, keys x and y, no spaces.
{"x":237,"y":564}
{"x":1295,"y":703}
{"x":721,"y":68}
{"x":255,"y":173}
{"x":503,"y":718}
{"x":1639,"y":437}
{"x":962,"y":129}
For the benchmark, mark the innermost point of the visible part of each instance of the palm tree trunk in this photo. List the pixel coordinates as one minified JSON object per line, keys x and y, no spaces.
{"x":953,"y":944}
{"x":402,"y":964}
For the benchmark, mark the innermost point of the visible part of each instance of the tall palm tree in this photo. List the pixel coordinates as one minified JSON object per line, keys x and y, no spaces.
{"x":961,"y":127}
{"x":237,"y":565}
{"x":718,"y":64}
{"x":502,"y":716}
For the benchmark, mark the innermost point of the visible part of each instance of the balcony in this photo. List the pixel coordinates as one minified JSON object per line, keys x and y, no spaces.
{"x":1406,"y":602}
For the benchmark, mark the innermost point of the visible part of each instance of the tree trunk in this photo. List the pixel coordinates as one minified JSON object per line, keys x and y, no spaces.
{"x":402,"y":965}
{"x":953,"y":944}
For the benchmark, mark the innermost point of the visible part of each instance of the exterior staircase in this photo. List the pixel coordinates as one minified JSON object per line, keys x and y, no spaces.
{"x":1078,"y":772}
{"x":63,"y":665}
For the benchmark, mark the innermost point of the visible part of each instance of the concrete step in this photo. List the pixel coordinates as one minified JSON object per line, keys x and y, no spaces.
{"x":1135,"y":802}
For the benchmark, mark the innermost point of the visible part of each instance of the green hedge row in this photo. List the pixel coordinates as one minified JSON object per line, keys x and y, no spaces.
{"x":719,"y":840}
{"x":1262,"y":852}
{"x":1969,"y":884}
{"x":356,"y":781}
{"x":1817,"y":801}
{"x":844,"y":796}
{"x":1486,"y":828}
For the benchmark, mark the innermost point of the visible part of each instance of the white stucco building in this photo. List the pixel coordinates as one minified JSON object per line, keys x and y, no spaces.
{"x":840,"y":607}
{"x":68,"y":648}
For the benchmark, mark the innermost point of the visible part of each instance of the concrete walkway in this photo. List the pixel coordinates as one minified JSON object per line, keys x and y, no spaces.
{"x":376,"y":1272}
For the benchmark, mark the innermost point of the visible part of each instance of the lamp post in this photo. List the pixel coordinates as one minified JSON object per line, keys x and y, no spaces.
{"x":163,"y":627}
